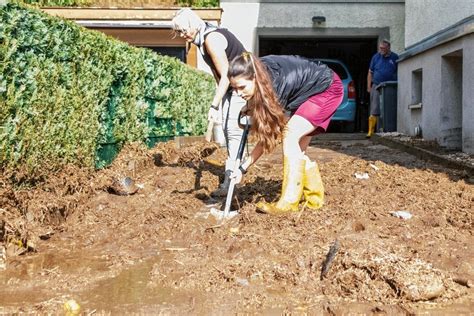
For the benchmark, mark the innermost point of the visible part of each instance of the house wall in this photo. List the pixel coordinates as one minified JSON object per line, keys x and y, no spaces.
{"x":447,"y":113}
{"x":241,"y":20}
{"x":439,"y":39}
{"x":240,"y":17}
{"x":426,"y":17}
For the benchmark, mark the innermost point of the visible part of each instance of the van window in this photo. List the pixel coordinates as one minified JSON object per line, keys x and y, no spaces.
{"x":337,"y":68}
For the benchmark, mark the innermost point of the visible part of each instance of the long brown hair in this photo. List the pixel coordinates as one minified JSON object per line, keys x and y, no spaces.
{"x":268,"y":119}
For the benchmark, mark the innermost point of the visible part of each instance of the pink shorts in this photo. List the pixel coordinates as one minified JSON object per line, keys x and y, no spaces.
{"x":320,"y":108}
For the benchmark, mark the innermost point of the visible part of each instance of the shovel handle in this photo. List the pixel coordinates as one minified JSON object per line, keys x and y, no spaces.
{"x":240,"y":154}
{"x":209,"y":132}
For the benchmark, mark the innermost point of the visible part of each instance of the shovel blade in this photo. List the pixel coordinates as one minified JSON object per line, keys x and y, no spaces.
{"x":221,"y":215}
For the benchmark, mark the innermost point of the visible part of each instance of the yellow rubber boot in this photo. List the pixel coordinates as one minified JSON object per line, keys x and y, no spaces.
{"x":313,"y":189}
{"x":291,"y":191}
{"x":372,"y":124}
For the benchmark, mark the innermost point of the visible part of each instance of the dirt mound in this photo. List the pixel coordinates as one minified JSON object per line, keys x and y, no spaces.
{"x":162,"y":239}
{"x":373,"y":273}
{"x":37,"y":210}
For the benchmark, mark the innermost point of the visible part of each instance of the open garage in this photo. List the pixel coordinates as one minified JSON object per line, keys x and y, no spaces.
{"x":355,"y":53}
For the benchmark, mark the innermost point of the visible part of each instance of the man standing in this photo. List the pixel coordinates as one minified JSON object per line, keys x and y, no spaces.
{"x":383,"y":67}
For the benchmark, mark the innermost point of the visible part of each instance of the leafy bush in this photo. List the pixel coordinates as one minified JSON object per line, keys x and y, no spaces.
{"x":199,"y":3}
{"x":66,"y":91}
{"x":58,"y":3}
{"x":85,"y":3}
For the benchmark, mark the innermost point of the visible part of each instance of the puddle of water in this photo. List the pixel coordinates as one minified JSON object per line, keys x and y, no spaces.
{"x":23,"y":285}
{"x":131,"y":291}
{"x":25,"y":282}
{"x":30,"y":266}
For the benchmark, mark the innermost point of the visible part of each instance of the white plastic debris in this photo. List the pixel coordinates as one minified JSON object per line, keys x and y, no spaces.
{"x":219,"y":215}
{"x":242,"y":282}
{"x":361,"y":175}
{"x":374,"y":167}
{"x":3,"y":258}
{"x":402,"y":214}
{"x":390,"y":134}
{"x":203,"y":215}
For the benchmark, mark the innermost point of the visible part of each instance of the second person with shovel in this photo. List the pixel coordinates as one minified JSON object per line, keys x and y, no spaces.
{"x":218,"y":47}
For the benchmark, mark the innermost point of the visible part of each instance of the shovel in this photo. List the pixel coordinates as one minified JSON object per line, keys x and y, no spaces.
{"x":227,"y":213}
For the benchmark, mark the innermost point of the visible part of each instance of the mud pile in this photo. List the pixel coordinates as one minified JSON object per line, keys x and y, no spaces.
{"x":256,"y":262}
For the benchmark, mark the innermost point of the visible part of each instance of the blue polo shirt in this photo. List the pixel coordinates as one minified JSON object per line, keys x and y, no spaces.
{"x":383,"y":68}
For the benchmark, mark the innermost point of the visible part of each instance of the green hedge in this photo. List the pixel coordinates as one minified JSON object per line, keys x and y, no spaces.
{"x":85,"y":3}
{"x":66,"y":91}
{"x":56,"y":3}
{"x":199,"y":3}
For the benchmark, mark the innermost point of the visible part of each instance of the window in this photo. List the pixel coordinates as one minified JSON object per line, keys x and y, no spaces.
{"x":416,"y":89}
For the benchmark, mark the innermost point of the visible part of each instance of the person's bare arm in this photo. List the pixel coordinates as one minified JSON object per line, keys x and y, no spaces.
{"x":254,"y":156}
{"x":215,"y":47}
{"x":369,"y":81}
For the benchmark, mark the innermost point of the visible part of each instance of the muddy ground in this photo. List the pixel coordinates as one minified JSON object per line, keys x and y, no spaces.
{"x":158,"y":251}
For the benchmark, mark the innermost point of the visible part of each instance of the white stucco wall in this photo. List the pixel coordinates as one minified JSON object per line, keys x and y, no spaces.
{"x":434,"y":116}
{"x":338,"y":15}
{"x":426,"y":17}
{"x":244,"y":17}
{"x":241,"y":20}
{"x":468,"y":95}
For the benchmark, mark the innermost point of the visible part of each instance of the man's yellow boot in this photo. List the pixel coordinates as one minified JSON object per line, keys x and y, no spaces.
{"x":291,"y":191}
{"x":313,"y":189}
{"x":372,"y":124}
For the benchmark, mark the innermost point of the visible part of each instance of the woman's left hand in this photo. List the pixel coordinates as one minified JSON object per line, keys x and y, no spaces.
{"x":237,"y":175}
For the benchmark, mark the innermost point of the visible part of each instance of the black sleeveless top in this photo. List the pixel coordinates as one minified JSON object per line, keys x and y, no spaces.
{"x":234,"y":49}
{"x":296,"y":78}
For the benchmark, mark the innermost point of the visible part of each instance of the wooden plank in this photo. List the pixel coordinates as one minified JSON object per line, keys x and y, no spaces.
{"x":144,"y":37}
{"x":191,"y":58}
{"x":157,"y":14}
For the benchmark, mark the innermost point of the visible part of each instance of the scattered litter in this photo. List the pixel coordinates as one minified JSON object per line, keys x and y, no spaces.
{"x":71,"y":307}
{"x":361,"y":175}
{"x":123,"y":186}
{"x":374,"y":167}
{"x":402,"y":214}
{"x":390,"y":134}
{"x":213,"y":205}
{"x":219,"y":215}
{"x":176,"y":249}
{"x":140,"y":186}
{"x":234,"y":230}
{"x":3,"y":258}
{"x":329,"y":258}
{"x":203,"y":215}
{"x":46,"y":235}
{"x":242,"y":282}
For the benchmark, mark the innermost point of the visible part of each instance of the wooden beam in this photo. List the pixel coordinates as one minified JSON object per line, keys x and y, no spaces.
{"x":191,"y":58}
{"x":144,"y":37}
{"x":158,"y":14}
